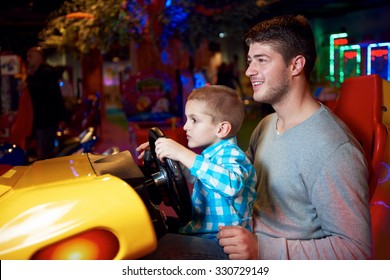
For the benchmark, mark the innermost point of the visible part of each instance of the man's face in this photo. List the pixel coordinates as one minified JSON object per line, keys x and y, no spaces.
{"x":268,"y":74}
{"x":34,"y":59}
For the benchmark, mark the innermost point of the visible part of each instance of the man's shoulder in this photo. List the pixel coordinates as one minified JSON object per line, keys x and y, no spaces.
{"x":45,"y":66}
{"x":265,"y":123}
{"x":331,"y":132}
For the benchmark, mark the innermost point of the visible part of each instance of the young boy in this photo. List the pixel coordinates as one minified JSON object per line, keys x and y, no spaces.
{"x":224,"y":188}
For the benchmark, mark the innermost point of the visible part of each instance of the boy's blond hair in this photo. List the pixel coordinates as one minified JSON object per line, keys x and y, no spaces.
{"x":222,"y":104}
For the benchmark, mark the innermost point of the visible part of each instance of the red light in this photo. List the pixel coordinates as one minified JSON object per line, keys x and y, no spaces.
{"x":79,"y":15}
{"x":379,"y":53}
{"x":350,"y":55}
{"x":340,"y":41}
{"x":96,"y":244}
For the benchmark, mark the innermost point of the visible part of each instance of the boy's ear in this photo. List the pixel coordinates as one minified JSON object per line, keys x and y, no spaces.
{"x":224,"y":129}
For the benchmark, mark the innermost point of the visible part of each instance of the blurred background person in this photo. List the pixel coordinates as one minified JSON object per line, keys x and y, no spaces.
{"x":225,"y":76}
{"x":235,"y":72}
{"x":47,"y":101}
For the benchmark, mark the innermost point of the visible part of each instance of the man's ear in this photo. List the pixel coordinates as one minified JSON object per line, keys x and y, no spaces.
{"x":298,"y":64}
{"x":224,"y":129}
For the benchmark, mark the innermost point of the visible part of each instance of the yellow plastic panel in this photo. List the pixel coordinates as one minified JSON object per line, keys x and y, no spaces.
{"x":35,"y":217}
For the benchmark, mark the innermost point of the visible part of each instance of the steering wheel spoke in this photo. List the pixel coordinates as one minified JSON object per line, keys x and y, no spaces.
{"x":171,"y":181}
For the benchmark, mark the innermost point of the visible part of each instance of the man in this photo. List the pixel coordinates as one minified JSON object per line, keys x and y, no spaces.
{"x":47,"y":101}
{"x":312,"y":191}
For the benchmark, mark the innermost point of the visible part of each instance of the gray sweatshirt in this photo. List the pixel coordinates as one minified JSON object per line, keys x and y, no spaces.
{"x":312,"y":192}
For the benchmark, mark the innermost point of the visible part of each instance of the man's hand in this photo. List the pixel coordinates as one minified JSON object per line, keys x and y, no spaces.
{"x":238,"y":242}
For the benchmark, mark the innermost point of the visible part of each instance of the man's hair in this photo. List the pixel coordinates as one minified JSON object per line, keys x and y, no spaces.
{"x":289,"y":35}
{"x":222,"y":104}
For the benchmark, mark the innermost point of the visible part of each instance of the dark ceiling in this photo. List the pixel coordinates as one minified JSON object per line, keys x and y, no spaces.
{"x":21,"y":20}
{"x":322,"y":8}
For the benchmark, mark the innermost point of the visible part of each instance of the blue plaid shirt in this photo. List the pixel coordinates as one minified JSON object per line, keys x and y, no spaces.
{"x":224,"y":190}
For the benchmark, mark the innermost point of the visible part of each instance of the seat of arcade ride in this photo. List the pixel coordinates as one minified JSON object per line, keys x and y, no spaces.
{"x":359,"y":105}
{"x":364,"y":105}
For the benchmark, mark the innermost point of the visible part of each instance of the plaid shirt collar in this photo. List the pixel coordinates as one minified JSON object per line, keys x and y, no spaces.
{"x":212,"y":150}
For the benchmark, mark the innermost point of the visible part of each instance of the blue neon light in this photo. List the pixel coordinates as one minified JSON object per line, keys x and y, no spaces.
{"x":381,"y":203}
{"x":369,"y":61}
{"x":385,"y":165}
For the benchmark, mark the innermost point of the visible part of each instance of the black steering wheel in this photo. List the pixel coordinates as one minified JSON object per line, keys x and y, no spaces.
{"x":171,"y":182}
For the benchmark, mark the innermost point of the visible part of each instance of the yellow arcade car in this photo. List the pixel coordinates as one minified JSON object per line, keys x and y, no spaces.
{"x":89,"y":206}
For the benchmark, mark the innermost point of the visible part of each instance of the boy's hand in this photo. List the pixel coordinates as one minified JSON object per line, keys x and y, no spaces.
{"x":168,"y":148}
{"x":141,"y":148}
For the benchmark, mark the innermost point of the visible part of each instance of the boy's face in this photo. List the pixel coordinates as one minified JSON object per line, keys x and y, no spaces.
{"x":200,"y":129}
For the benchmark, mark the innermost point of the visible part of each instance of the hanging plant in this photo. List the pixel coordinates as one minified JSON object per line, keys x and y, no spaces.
{"x":82,"y":25}
{"x":193,"y":21}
